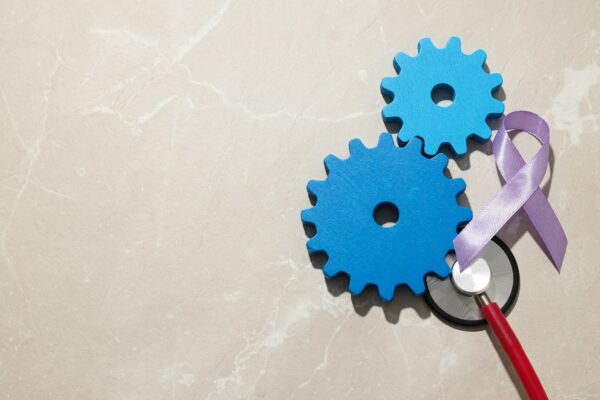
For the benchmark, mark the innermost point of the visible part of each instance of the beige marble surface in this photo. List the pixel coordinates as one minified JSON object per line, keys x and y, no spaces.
{"x":153,"y":160}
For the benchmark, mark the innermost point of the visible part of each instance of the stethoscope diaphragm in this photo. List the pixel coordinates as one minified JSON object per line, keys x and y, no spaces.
{"x":448,"y":303}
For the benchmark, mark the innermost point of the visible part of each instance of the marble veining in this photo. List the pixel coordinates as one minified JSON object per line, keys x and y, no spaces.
{"x":153,"y":164}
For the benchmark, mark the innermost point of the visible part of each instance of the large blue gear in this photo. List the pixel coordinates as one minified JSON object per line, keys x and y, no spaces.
{"x":373,"y":254}
{"x":449,"y":68}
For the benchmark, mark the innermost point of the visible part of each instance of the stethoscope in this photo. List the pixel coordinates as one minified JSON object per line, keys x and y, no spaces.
{"x":482,"y":293}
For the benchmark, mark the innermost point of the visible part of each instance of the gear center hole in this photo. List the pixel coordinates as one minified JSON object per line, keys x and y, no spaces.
{"x":442,"y":95}
{"x":386,"y":214}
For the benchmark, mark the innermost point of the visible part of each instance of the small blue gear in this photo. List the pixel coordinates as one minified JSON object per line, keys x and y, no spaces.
{"x":374,"y":254}
{"x":462,"y":77}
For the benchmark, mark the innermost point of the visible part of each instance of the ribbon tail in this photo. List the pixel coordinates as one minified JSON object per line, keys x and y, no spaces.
{"x":548,"y":227}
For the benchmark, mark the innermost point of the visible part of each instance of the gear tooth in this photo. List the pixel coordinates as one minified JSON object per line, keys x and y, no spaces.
{"x":415,"y":145}
{"x":309,"y":215}
{"x":459,"y":147}
{"x":495,"y":81}
{"x":400,"y":60}
{"x":464,"y":215}
{"x":453,"y":43}
{"x":314,"y":187}
{"x":496,"y":108}
{"x":431,"y":147}
{"x":387,"y":86}
{"x":389,"y":114}
{"x":313,"y":245}
{"x":356,"y":286}
{"x":478,"y":57}
{"x":385,"y":140}
{"x":386,"y":292}
{"x":483,"y":133}
{"x":405,"y":135}
{"x":331,"y":162}
{"x":458,"y":185}
{"x":356,"y":147}
{"x":425,"y":45}
{"x":331,"y":269}
{"x":417,"y":286}
{"x":442,"y":270}
{"x":441,"y":159}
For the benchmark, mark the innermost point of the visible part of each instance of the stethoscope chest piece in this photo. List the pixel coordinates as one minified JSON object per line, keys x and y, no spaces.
{"x":493,"y":276}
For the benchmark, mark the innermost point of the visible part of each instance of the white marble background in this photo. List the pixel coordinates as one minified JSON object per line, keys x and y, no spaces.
{"x":153,"y":162}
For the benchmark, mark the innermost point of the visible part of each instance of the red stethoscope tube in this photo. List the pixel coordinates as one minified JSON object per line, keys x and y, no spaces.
{"x":455,"y":300}
{"x":512,"y":347}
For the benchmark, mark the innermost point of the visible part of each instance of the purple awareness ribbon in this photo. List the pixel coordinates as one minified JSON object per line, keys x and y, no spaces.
{"x":521,"y":190}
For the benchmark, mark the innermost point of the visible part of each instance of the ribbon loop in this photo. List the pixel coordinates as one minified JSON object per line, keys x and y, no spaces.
{"x":521,"y":190}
